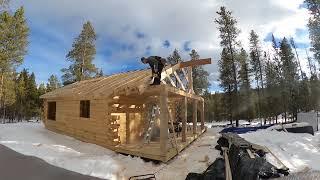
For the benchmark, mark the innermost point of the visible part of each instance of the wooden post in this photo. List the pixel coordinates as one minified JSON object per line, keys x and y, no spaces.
{"x":127,"y":128}
{"x":195,"y":116}
{"x":164,"y":116}
{"x":190,"y":79}
{"x":184,"y":119}
{"x":202,"y":115}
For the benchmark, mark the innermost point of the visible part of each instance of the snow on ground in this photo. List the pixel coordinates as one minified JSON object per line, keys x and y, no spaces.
{"x":66,"y":152}
{"x":242,"y":123}
{"x":298,"y":152}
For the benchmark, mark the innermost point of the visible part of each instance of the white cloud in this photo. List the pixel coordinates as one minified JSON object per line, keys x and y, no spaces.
{"x":177,"y":21}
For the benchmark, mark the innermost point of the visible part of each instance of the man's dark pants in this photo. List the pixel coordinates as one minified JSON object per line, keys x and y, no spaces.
{"x":157,"y":79}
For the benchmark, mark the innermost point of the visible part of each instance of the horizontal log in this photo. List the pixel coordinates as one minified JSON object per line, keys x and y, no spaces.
{"x":195,"y":63}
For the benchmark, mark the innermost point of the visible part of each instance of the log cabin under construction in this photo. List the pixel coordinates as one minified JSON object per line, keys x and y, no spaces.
{"x":122,"y":112}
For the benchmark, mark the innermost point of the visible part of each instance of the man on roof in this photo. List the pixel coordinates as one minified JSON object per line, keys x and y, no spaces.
{"x":157,"y":64}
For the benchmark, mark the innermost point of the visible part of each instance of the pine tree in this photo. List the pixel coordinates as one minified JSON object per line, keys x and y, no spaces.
{"x":9,"y":97}
{"x":273,"y":100}
{"x":13,"y":45}
{"x":42,"y":89}
{"x":290,"y":78}
{"x":228,"y":35}
{"x":81,"y":56}
{"x":199,"y":75}
{"x":53,"y":83}
{"x":257,"y":68}
{"x":244,"y":72}
{"x":173,"y":59}
{"x":226,"y":83}
{"x":293,"y":45}
{"x":256,"y":59}
{"x":246,"y":109}
{"x":31,"y":97}
{"x":21,"y":91}
{"x":100,"y":74}
{"x":315,"y":93}
{"x":314,"y":26}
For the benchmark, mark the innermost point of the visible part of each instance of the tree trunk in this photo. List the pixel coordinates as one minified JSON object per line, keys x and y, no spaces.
{"x":285,"y":117}
{"x":235,"y":82}
{"x":1,"y":88}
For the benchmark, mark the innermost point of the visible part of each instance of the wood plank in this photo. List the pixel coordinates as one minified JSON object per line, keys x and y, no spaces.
{"x":195,"y":62}
{"x":228,"y":172}
{"x":202,"y":114}
{"x":163,"y":121}
{"x":172,"y":127}
{"x":185,"y":74}
{"x":179,"y":80}
{"x":106,"y":90}
{"x":195,"y":116}
{"x":171,"y":81}
{"x":167,"y":72}
{"x":176,"y":91}
{"x":127,"y":128}
{"x":184,"y":119}
{"x":190,"y":78}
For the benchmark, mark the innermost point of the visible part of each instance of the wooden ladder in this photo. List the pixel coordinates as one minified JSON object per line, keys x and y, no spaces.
{"x":152,"y":117}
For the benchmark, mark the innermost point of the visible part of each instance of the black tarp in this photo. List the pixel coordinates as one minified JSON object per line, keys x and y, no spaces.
{"x":244,"y":167}
{"x":216,"y":171}
{"x":301,"y":129}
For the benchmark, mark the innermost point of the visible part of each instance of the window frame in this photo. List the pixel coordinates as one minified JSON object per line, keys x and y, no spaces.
{"x":85,"y":109}
{"x":50,"y":114}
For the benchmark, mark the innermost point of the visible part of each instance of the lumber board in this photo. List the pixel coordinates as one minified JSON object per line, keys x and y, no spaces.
{"x":109,"y":88}
{"x":185,"y":74}
{"x":171,"y":81}
{"x":184,"y":119}
{"x":195,"y":63}
{"x":228,"y":172}
{"x":174,"y":134}
{"x":163,"y":121}
{"x":179,"y":80}
{"x":190,"y":79}
{"x":176,"y":91}
{"x":195,"y":116}
{"x":202,"y":114}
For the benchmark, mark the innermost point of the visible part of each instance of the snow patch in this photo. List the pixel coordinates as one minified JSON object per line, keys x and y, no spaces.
{"x":34,"y":140}
{"x":297,"y":151}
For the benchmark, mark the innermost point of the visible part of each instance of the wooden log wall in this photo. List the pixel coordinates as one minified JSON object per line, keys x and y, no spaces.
{"x":68,"y":121}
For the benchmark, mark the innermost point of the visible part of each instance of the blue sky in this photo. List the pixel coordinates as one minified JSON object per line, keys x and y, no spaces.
{"x":127,"y":30}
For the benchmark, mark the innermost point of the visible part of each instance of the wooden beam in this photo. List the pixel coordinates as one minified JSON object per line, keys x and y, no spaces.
{"x":185,"y":74}
{"x":228,"y":173}
{"x":195,"y":63}
{"x":169,"y":71}
{"x":202,"y":115}
{"x":127,"y":128}
{"x":163,"y":121}
{"x":190,"y":78}
{"x":184,"y":119}
{"x":171,"y":81}
{"x":183,"y":93}
{"x":195,"y":116}
{"x":179,"y":80}
{"x":180,"y":65}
